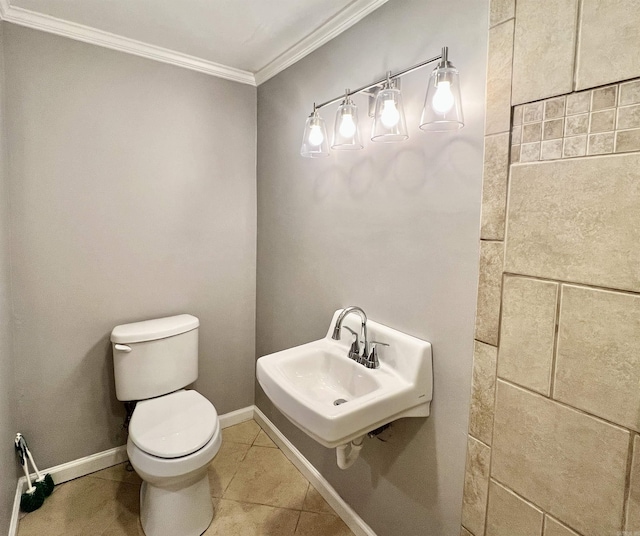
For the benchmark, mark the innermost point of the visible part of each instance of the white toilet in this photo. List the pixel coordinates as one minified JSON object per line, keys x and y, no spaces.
{"x":174,"y":433}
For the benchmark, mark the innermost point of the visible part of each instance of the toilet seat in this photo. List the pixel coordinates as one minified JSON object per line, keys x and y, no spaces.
{"x":173,"y":425}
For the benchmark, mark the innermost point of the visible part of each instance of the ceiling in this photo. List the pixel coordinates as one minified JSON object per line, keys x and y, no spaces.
{"x":247,"y":41}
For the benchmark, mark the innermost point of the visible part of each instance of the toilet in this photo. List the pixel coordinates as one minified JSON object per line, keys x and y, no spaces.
{"x":174,"y":432}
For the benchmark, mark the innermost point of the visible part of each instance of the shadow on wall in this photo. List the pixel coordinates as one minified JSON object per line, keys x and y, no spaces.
{"x":397,"y":169}
{"x":100,"y":356}
{"x":388,"y":459}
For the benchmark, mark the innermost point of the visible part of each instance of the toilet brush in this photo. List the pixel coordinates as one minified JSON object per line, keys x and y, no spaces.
{"x":33,"y":498}
{"x":43,"y":482}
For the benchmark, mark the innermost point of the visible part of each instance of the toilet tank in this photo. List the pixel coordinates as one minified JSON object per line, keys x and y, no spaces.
{"x":155,"y":357}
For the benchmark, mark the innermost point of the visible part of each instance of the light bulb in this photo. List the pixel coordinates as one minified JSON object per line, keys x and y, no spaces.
{"x":315,"y":135}
{"x":347,"y":126}
{"x":443,"y":99}
{"x":390,"y":115}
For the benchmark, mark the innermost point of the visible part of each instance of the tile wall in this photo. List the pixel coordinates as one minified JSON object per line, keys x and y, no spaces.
{"x":600,"y":121}
{"x":553,"y":446}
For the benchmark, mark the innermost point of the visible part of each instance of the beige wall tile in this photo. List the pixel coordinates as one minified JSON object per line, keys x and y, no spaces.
{"x":578,"y":103}
{"x":531,"y":132}
{"x":527,"y":332}
{"x":543,"y":49}
{"x":605,"y":97}
{"x":494,"y":186}
{"x":533,"y":112}
{"x":603,"y":121}
{"x":476,"y":486}
{"x":501,"y":10}
{"x":633,"y":503}
{"x":464,"y":532}
{"x":530,"y":152}
{"x":576,"y":125}
{"x":489,"y":289}
{"x":498,"y":109}
{"x":600,"y":143}
{"x":627,"y":141}
{"x":509,"y":515}
{"x":630,"y":93}
{"x":515,"y":154}
{"x":516,"y":135}
{"x":555,"y":528}
{"x":629,"y":117}
{"x":575,"y":146}
{"x":554,"y":108}
{"x":483,"y":391}
{"x":557,"y":228}
{"x":553,"y":130}
{"x":567,"y":463}
{"x":518,"y":113}
{"x":551,"y":150}
{"x":598,"y":356}
{"x":609,"y":29}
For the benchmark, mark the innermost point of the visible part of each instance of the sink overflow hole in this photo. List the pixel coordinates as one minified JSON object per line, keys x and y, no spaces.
{"x":339,"y":401}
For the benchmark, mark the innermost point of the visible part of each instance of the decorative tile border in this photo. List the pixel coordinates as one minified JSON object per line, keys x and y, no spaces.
{"x":599,"y":121}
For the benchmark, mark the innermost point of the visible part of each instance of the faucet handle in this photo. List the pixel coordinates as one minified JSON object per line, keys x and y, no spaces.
{"x":372,"y":361}
{"x":355,"y":345}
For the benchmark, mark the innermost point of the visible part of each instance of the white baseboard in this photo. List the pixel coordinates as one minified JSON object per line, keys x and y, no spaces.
{"x":236,"y":417}
{"x":15,"y":513}
{"x":108,"y":458}
{"x":346,"y":513}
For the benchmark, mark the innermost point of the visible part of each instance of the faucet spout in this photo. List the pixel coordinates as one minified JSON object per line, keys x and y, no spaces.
{"x":363,"y":317}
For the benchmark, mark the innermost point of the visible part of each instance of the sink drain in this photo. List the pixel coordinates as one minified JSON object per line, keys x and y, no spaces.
{"x":339,"y":401}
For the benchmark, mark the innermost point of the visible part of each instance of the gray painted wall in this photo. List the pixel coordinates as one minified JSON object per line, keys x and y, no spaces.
{"x":394,"y":229}
{"x":7,"y":395}
{"x":132,"y":191}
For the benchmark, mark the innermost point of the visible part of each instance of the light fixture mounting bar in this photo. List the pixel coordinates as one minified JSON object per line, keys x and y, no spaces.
{"x":380,"y":82}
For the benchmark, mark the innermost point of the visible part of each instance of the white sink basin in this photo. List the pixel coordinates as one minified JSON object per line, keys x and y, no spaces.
{"x":334,"y":399}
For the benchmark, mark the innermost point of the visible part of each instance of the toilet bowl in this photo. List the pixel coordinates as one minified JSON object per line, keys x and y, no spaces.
{"x":172,"y":440}
{"x":174,"y":433}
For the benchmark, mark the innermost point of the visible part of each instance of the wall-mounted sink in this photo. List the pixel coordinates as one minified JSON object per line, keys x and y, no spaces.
{"x":335,"y":399}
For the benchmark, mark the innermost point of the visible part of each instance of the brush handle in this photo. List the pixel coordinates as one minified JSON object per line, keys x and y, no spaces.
{"x":22,"y":449}
{"x":40,"y":477}
{"x":25,"y":448}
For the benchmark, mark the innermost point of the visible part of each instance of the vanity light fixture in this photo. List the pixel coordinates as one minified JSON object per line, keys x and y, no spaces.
{"x":388,"y":119}
{"x":314,"y":140}
{"x":346,"y":134}
{"x":442,"y":111}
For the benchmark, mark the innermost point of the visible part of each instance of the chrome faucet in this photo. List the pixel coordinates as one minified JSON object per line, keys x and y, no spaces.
{"x":355,"y":348}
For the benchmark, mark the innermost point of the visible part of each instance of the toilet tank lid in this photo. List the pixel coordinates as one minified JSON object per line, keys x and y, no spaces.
{"x":150,"y":330}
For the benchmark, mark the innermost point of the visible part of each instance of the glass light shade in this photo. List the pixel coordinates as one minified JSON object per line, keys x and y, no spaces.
{"x":315,"y":143}
{"x":389,"y":123}
{"x":346,"y":133}
{"x":442,"y":106}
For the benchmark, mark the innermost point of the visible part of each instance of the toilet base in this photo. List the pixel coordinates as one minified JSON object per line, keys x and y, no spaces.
{"x":185,"y":508}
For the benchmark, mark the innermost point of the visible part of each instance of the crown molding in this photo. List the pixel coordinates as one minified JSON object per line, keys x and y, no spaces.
{"x":332,"y":28}
{"x":79,"y":32}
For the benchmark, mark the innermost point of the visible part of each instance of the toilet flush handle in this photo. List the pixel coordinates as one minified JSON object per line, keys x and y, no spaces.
{"x":122,"y":348}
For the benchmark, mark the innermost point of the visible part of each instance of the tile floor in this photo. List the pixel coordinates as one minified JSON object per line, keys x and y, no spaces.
{"x":255,"y":491}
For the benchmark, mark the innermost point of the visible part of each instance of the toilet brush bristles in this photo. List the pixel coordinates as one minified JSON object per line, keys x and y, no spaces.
{"x":46,"y":484}
{"x":32,"y":499}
